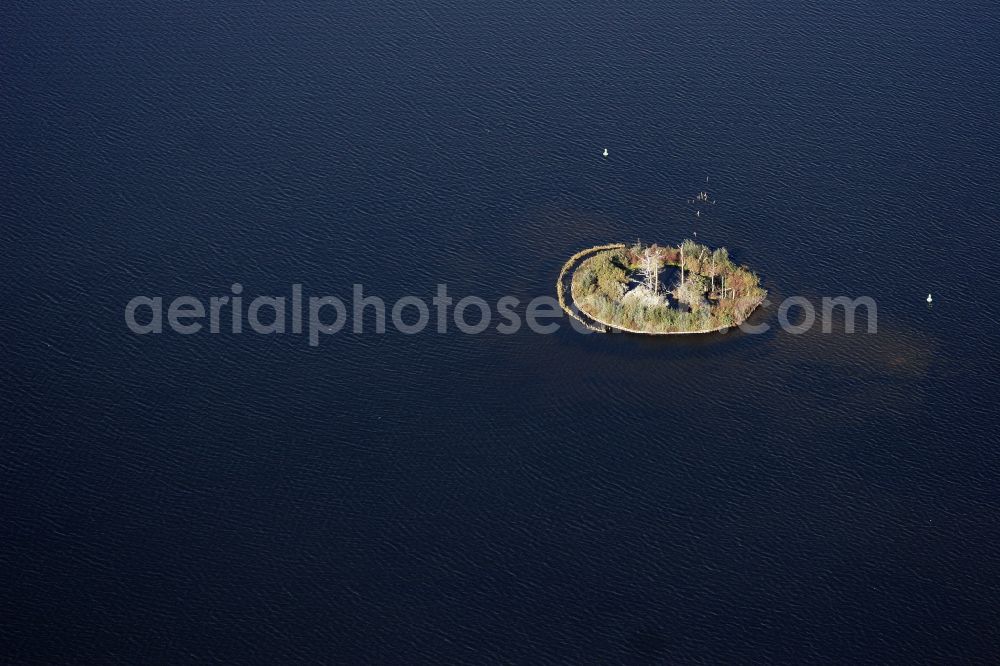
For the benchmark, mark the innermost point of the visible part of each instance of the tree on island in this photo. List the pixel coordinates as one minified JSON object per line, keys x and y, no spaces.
{"x":712,"y":292}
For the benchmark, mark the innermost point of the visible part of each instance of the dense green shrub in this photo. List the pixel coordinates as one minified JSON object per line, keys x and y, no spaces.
{"x":609,"y":269}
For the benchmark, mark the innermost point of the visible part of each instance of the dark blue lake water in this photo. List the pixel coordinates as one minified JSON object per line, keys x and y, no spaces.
{"x":442,"y":498}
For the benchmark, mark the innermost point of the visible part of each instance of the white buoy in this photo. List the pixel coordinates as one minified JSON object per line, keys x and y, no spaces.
{"x":605,"y":152}
{"x":929,"y":299}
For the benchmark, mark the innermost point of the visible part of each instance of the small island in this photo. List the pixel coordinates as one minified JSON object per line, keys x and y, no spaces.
{"x":658,"y":290}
